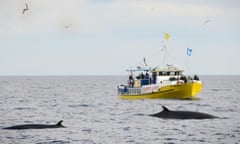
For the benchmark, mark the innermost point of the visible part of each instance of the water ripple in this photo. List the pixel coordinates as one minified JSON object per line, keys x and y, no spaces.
{"x":93,"y":113}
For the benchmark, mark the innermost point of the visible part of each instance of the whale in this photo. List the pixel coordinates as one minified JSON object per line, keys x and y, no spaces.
{"x":170,"y":114}
{"x":36,"y":126}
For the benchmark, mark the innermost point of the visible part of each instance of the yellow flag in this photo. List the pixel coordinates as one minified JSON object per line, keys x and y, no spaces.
{"x":166,"y":36}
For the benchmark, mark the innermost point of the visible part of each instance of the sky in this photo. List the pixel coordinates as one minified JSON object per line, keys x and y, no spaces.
{"x":106,"y":37}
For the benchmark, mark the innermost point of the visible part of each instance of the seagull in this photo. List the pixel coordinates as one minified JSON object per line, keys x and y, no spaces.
{"x":25,"y":9}
{"x":67,"y":26}
{"x":206,"y":22}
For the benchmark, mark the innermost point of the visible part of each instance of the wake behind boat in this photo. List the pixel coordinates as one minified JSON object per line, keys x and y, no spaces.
{"x":168,"y":82}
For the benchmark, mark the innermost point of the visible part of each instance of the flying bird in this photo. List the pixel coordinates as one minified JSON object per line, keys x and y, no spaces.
{"x":206,"y":22}
{"x":25,"y":9}
{"x":67,"y":26}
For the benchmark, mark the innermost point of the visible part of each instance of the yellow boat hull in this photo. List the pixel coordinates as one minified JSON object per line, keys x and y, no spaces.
{"x":181,"y":91}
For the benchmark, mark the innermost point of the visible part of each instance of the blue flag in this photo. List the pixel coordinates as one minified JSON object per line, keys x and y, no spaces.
{"x":189,"y":51}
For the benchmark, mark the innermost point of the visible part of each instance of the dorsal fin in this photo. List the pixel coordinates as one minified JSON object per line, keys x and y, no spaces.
{"x":59,"y":123}
{"x":165,"y":108}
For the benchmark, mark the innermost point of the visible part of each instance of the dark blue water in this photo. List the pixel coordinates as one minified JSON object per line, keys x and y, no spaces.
{"x":92,"y":112}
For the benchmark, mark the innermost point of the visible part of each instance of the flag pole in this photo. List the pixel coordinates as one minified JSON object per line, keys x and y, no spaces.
{"x":189,"y":54}
{"x":166,"y":36}
{"x":164,"y":56}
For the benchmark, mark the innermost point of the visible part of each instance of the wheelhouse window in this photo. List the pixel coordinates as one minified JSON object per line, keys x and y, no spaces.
{"x":169,"y":73}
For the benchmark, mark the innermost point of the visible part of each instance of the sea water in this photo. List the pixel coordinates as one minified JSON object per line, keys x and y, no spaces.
{"x":93,"y":114}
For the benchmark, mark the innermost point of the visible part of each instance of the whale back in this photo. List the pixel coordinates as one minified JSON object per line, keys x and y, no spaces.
{"x":169,"y":114}
{"x":36,"y":126}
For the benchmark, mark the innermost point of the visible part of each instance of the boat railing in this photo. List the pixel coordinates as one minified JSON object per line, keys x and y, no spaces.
{"x":134,"y":91}
{"x":129,"y":90}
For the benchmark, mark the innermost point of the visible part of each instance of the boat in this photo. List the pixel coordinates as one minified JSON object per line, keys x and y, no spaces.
{"x":168,"y":82}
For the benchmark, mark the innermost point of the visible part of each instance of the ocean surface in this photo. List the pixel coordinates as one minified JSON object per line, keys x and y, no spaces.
{"x":93,"y":114}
